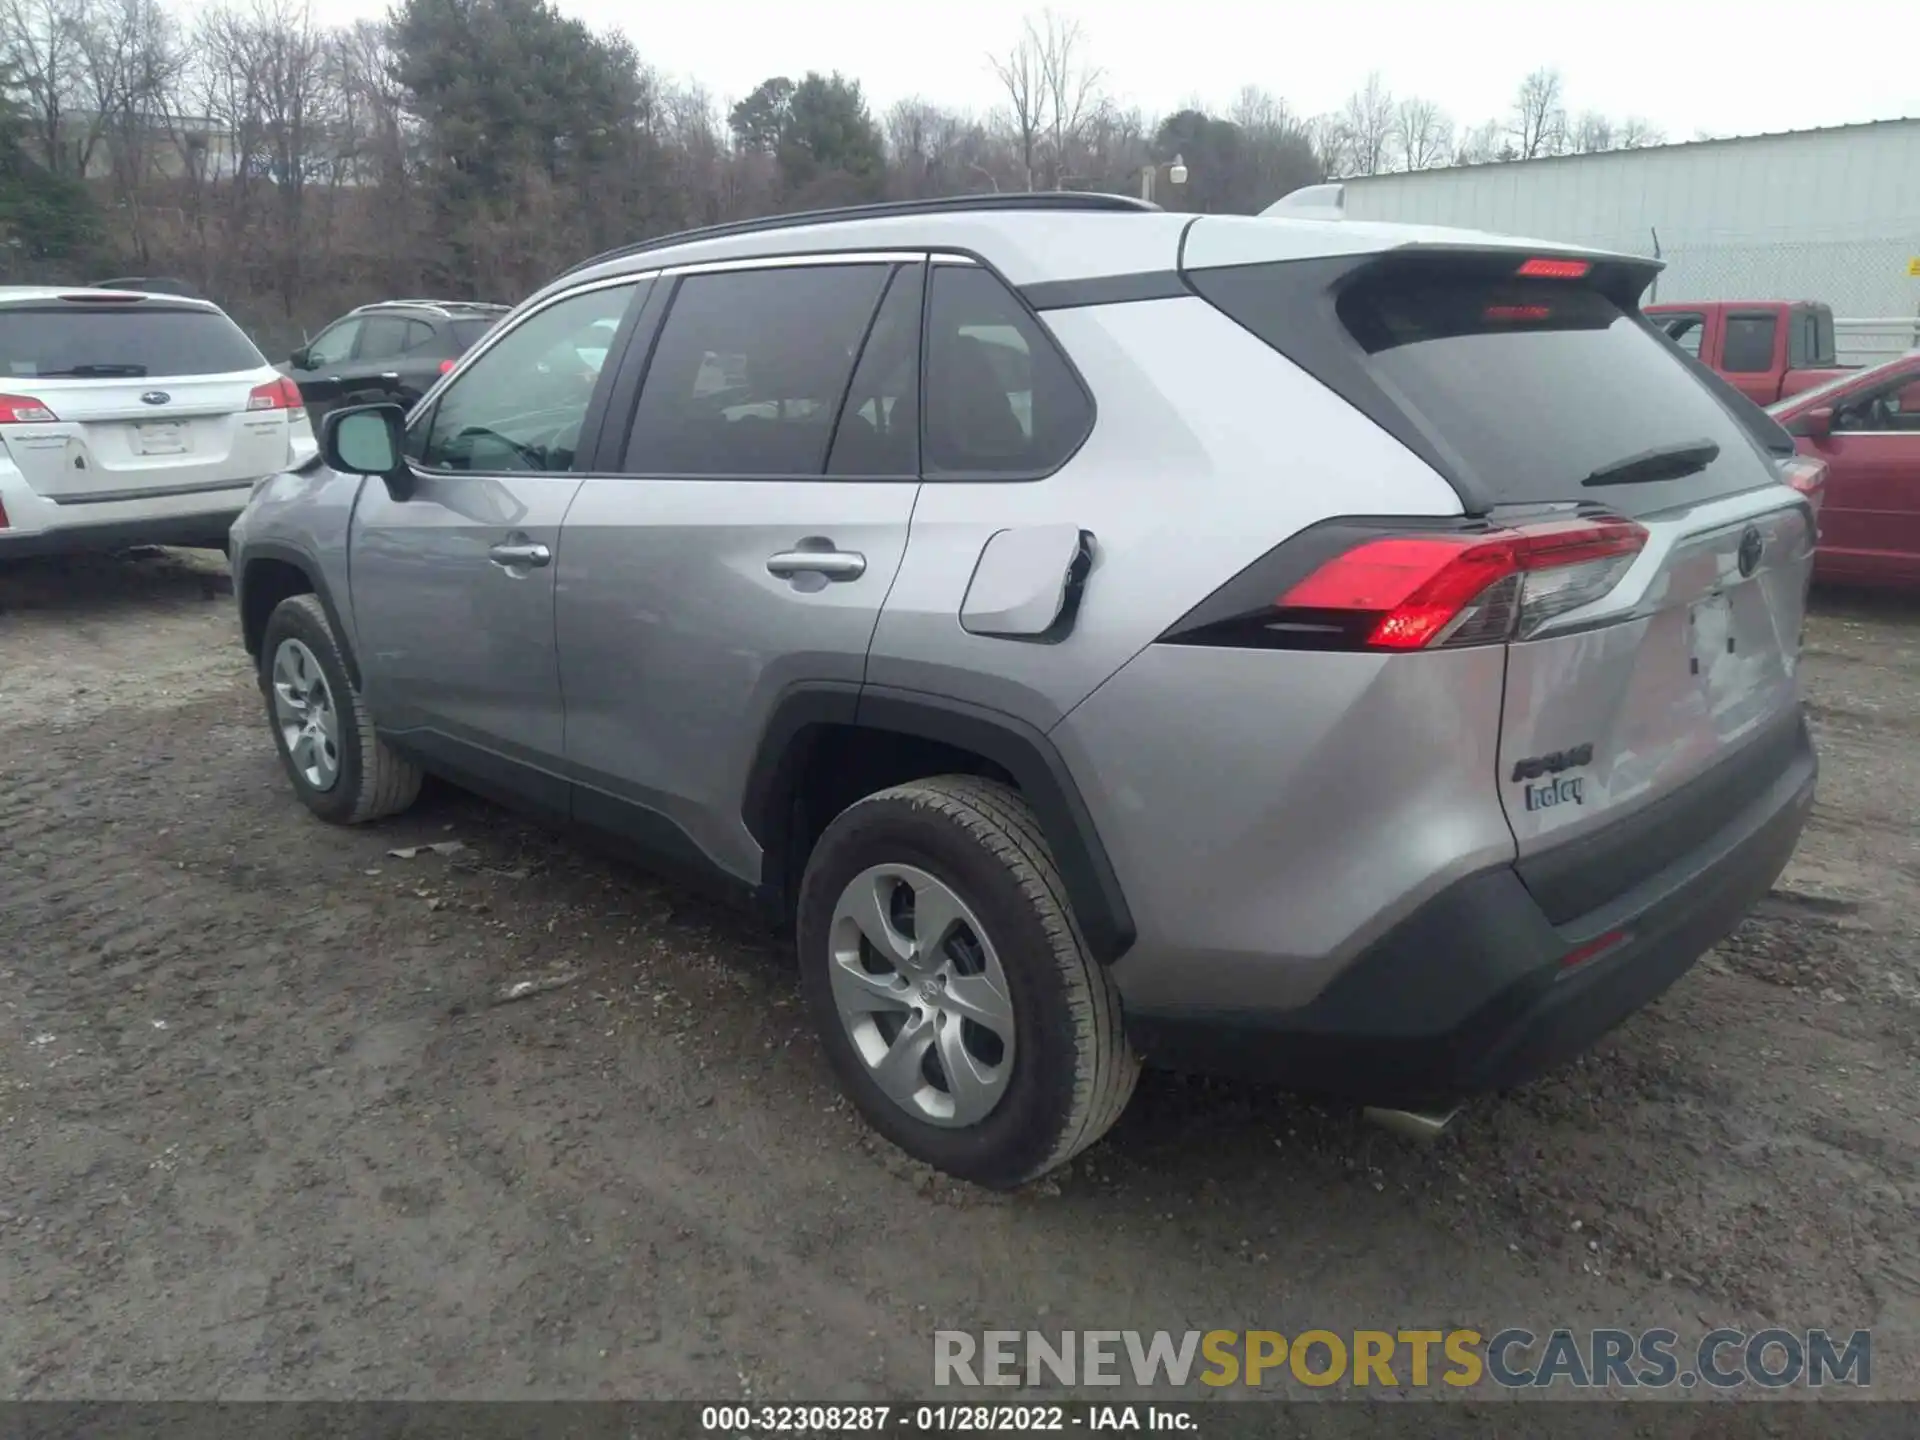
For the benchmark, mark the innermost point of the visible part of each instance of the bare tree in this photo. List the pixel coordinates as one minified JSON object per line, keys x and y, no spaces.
{"x":1539,"y":116}
{"x":1368,"y":121}
{"x":1422,"y":134}
{"x":1483,"y":144}
{"x":1053,"y":97}
{"x":1638,"y":134}
{"x":42,"y":40}
{"x":1591,"y":134}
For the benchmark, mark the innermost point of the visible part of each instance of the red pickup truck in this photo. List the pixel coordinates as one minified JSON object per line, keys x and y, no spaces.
{"x":1769,"y":349}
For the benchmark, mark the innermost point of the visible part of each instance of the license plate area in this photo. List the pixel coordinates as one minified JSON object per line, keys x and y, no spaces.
{"x":161,"y":437}
{"x":1710,"y":633}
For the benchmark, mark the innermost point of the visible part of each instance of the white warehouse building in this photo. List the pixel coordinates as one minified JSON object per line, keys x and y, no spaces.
{"x":1830,"y":215}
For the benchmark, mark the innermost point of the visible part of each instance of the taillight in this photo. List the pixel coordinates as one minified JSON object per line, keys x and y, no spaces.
{"x":4,"y":522}
{"x":281,"y":394}
{"x":446,"y":367}
{"x":1808,"y":476}
{"x":1426,"y":591}
{"x":1542,"y":268}
{"x":24,"y":410}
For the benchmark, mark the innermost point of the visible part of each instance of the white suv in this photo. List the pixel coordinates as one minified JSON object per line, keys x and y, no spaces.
{"x":130,"y":418}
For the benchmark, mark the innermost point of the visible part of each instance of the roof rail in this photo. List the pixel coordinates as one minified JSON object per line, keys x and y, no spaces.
{"x":1083,"y":200}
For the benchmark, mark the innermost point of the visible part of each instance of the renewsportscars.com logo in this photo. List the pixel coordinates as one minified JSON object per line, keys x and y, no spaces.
{"x":1511,"y":1359}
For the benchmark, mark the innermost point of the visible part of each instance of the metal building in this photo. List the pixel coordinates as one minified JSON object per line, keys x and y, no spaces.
{"x":1829,"y":215}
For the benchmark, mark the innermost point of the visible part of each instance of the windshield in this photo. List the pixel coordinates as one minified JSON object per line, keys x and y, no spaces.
{"x":68,"y":341}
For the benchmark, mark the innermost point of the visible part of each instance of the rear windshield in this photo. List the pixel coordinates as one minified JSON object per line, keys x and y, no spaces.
{"x":1538,"y":386}
{"x":75,"y":341}
{"x":466,"y":332}
{"x":1517,"y":390}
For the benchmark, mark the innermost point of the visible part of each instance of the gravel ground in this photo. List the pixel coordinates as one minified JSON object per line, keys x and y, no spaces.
{"x":266,"y":1129}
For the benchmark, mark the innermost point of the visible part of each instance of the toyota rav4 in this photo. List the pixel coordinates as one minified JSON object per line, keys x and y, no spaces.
{"x":1358,"y":656}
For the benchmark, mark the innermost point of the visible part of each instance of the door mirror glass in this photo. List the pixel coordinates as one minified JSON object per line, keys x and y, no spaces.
{"x":364,"y":440}
{"x":300,"y":359}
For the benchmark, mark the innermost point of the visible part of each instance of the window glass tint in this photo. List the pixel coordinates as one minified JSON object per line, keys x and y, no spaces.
{"x":879,"y":431}
{"x":334,"y":345}
{"x":1000,"y":399}
{"x":382,"y":336}
{"x":519,"y":408}
{"x":1536,"y":385}
{"x":1892,"y":408}
{"x":418,"y":334}
{"x":1748,"y":348}
{"x":749,"y":370}
{"x":43,"y":340}
{"x":466,"y":333}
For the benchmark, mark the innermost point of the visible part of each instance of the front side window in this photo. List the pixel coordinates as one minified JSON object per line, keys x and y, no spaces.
{"x":1001,"y":401}
{"x":1686,"y":331}
{"x":334,"y":346}
{"x":1891,"y":408}
{"x":750,"y":369}
{"x":519,"y":406}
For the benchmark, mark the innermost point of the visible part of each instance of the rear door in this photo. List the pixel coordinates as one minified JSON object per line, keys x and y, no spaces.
{"x":739,"y":537}
{"x":145,"y":398}
{"x":1870,"y":516}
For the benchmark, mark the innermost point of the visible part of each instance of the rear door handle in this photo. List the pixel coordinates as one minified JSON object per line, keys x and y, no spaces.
{"x":515,"y":556}
{"x":834,"y":564}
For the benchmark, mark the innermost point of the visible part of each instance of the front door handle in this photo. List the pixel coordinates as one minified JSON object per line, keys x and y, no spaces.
{"x":834,"y":564}
{"x":514,"y":557}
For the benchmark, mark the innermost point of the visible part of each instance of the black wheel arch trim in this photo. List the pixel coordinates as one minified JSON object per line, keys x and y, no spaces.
{"x":1025,"y":753}
{"x":316,"y":577}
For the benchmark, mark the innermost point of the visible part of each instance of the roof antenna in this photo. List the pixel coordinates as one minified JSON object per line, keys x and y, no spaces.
{"x":1311,"y":202}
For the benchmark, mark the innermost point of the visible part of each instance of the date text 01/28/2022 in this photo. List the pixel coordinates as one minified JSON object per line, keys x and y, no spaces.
{"x":939,"y":1419}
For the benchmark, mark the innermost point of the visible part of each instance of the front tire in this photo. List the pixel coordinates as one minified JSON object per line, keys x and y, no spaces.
{"x":992,"y":1050}
{"x":340,"y":768}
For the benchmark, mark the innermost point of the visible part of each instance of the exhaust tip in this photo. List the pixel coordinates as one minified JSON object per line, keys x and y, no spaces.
{"x":1414,"y":1124}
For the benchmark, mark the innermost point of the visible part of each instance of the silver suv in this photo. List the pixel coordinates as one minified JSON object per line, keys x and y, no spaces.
{"x":1357,"y":656}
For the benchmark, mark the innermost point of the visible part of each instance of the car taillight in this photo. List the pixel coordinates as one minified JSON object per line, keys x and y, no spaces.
{"x":24,"y":410}
{"x":1427,"y":591}
{"x":1808,"y":476}
{"x":4,"y":522}
{"x":446,"y":366}
{"x":281,"y":394}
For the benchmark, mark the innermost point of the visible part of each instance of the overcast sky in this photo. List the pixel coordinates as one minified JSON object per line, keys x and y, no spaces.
{"x":1685,"y":65}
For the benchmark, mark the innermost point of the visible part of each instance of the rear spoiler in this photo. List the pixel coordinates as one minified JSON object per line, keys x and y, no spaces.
{"x":148,"y":285}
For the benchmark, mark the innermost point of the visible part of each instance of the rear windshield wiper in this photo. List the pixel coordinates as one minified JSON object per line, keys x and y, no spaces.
{"x":92,"y":372}
{"x":1669,"y":462}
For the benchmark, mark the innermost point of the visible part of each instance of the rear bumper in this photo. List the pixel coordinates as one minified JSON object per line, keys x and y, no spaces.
{"x":205,"y":528}
{"x":1472,"y":993}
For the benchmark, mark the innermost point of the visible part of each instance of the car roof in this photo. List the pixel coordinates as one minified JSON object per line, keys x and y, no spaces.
{"x":443,"y":309}
{"x":1049,"y":236}
{"x":161,"y":300}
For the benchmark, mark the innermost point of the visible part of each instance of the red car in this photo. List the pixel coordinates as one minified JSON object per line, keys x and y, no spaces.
{"x":1866,"y":427}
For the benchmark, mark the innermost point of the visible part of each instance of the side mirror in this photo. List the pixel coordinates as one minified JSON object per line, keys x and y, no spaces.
{"x":368,"y":440}
{"x":1819,"y":422}
{"x":301,"y":359}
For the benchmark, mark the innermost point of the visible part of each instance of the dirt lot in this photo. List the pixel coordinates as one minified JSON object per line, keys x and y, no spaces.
{"x":264,"y":1130}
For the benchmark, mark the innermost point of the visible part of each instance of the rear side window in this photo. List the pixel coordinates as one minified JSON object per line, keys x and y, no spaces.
{"x":879,"y":429}
{"x":383,"y":336}
{"x":1748,"y":347}
{"x":1001,"y":401}
{"x":748,"y":373}
{"x":467,"y":333}
{"x":73,"y":341}
{"x":1536,"y":386}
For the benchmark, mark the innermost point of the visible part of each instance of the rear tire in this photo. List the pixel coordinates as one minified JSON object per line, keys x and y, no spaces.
{"x":338,"y":765}
{"x":969,"y":850}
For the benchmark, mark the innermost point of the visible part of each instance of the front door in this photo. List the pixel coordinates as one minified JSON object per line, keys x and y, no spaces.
{"x":1870,"y":516}
{"x":453,"y":585}
{"x":753,"y":520}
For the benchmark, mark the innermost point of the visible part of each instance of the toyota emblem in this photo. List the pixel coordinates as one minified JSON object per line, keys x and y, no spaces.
{"x":1751,"y":548}
{"x":155,"y":397}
